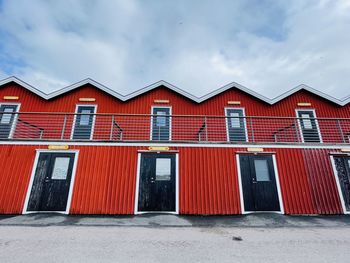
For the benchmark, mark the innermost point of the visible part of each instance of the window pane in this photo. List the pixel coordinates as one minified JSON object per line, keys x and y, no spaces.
{"x":60,"y":168}
{"x":163,"y":169}
{"x":6,"y":118}
{"x":160,"y":120}
{"x":235,"y":122}
{"x":85,"y":119}
{"x":261,"y":170}
{"x":306,"y":121}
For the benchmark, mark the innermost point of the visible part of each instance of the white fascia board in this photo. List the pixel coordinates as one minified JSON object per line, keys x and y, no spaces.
{"x":238,"y":86}
{"x":25,"y":85}
{"x":309,"y":89}
{"x":82,"y":83}
{"x":158,"y":84}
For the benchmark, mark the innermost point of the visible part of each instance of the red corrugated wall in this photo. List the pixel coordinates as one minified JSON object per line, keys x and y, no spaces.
{"x":106,"y":178}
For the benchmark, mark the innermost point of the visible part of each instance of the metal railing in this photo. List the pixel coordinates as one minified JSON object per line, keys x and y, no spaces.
{"x":174,"y":128}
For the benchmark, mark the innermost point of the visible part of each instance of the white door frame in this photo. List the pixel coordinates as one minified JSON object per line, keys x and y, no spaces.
{"x":316,"y":123}
{"x":15,"y":118}
{"x":277,"y":185}
{"x":70,"y":193}
{"x":176,"y":212}
{"x":244,"y":122}
{"x":335,"y":173}
{"x":153,"y":115}
{"x":93,"y":119}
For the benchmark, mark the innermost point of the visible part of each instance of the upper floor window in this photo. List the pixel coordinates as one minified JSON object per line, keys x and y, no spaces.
{"x":8,"y":120}
{"x":83,"y":124}
{"x":236,"y":125}
{"x":161,"y":123}
{"x":308,"y":126}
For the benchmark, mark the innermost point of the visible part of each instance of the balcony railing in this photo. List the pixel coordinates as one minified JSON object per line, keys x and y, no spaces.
{"x":174,"y":128}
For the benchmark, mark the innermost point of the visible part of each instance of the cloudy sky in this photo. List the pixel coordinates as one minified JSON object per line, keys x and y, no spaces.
{"x":199,"y":46}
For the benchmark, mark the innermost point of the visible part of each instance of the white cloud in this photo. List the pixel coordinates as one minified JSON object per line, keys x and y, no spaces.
{"x":267,"y":46}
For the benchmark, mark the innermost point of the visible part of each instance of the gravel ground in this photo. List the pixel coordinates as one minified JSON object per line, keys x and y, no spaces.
{"x":71,"y":243}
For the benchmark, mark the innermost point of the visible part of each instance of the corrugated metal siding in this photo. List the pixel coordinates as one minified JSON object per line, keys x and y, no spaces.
{"x":322,"y":181}
{"x":105,"y":181}
{"x":106,"y":178}
{"x":16,"y":164}
{"x":294,"y":181}
{"x":208,"y":181}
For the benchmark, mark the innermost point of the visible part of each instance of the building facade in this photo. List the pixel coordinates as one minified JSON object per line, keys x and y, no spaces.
{"x":86,"y":149}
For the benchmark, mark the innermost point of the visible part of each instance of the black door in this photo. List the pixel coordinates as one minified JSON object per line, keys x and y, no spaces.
{"x":236,"y":125}
{"x":308,"y":125}
{"x":342,"y":165}
{"x":161,"y":124}
{"x":259,"y":183}
{"x":51,"y":183}
{"x":83,"y":123}
{"x":157,"y":183}
{"x":6,"y":120}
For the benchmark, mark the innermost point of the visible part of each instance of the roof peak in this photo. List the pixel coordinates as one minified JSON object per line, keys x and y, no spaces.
{"x":173,"y":88}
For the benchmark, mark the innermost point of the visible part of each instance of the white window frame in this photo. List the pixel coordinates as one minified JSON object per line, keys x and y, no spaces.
{"x":278,"y":185}
{"x":177,"y":184}
{"x":15,"y":118}
{"x":93,"y":119}
{"x":32,"y":177}
{"x":227,"y":122}
{"x":152,"y":116}
{"x":340,"y":194}
{"x":300,"y":126}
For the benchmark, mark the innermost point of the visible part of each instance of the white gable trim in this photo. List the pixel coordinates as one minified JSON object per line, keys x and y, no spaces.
{"x":139,"y":92}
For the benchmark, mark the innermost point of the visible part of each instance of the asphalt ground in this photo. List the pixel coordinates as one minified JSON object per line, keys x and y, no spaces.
{"x":169,"y":238}
{"x":165,"y":220}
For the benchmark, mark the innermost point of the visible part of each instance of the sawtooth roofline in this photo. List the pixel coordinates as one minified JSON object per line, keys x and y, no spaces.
{"x":139,"y":92}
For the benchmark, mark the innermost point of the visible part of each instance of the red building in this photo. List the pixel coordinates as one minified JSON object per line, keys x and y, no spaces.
{"x":86,"y":149}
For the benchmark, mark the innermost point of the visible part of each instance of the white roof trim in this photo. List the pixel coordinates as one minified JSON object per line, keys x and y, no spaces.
{"x":134,"y":94}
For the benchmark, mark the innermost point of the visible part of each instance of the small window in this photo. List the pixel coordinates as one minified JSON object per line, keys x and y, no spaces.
{"x":235,"y":120}
{"x":85,"y":119}
{"x":6,"y":117}
{"x":261,"y":170}
{"x":306,"y":121}
{"x":163,"y":169}
{"x":60,"y":168}
{"x":161,"y":120}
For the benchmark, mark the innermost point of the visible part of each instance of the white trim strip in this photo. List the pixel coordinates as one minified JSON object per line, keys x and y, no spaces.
{"x":207,"y":145}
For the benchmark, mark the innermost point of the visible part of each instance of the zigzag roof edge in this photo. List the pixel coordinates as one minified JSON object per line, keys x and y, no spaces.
{"x":182,"y":92}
